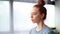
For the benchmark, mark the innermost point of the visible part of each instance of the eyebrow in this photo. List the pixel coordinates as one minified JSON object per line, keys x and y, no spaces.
{"x":34,"y":13}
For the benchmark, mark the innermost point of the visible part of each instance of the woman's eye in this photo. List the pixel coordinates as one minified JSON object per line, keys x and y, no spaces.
{"x":35,"y":13}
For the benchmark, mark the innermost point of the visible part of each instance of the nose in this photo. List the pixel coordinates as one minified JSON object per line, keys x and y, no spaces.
{"x":31,"y":16}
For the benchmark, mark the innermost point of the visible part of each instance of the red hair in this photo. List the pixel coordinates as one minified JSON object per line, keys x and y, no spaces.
{"x":41,"y":2}
{"x":42,"y":10}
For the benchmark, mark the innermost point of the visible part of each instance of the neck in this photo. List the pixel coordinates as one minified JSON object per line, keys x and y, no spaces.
{"x":40,"y":25}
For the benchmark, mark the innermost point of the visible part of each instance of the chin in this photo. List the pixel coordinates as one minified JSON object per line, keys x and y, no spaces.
{"x":33,"y":21}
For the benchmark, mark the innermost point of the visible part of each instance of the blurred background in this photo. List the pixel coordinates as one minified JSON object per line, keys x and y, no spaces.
{"x":15,"y":16}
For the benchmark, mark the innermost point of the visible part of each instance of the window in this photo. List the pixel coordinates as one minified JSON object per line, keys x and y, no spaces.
{"x":4,"y":16}
{"x":22,"y":16}
{"x":50,"y":20}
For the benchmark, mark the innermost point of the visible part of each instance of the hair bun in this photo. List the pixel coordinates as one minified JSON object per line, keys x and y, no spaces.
{"x":41,"y":2}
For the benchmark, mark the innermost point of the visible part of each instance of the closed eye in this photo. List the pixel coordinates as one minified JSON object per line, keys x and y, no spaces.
{"x":34,"y":13}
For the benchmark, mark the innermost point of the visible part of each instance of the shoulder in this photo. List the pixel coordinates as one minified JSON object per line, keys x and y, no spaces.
{"x":49,"y":30}
{"x":32,"y":30}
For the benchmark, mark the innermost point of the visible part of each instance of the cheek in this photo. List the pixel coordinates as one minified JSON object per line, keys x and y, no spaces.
{"x":37,"y":17}
{"x":34,"y":17}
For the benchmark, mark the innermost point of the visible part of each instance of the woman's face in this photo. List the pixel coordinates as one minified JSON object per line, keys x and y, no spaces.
{"x":35,"y":15}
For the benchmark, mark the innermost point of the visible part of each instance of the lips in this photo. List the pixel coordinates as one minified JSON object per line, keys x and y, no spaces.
{"x":32,"y":19}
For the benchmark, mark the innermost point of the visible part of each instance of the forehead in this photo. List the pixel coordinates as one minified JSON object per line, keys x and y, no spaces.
{"x":35,"y":9}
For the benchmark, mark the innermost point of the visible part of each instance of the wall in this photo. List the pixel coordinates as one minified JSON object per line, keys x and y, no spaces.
{"x":57,"y":14}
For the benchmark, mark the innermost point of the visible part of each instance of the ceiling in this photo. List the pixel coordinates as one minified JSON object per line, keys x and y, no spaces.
{"x":33,"y":1}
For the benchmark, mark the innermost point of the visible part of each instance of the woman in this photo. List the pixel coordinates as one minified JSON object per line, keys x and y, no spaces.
{"x":38,"y":15}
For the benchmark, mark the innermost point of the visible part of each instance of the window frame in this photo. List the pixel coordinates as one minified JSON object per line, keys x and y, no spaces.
{"x":11,"y":18}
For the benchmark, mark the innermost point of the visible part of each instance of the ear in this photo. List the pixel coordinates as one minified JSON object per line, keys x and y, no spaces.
{"x":42,"y":15}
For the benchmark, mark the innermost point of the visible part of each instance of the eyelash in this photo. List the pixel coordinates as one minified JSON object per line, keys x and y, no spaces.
{"x":34,"y":13}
